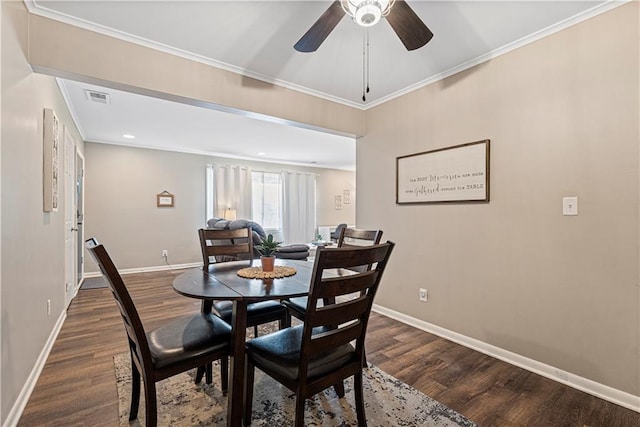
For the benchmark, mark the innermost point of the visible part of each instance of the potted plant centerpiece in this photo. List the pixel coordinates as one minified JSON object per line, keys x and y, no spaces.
{"x":267,"y":248}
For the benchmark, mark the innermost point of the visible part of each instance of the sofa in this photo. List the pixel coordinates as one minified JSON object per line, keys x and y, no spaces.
{"x":293,"y":251}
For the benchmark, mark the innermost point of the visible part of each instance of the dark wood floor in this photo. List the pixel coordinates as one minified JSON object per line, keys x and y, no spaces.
{"x":77,"y":385}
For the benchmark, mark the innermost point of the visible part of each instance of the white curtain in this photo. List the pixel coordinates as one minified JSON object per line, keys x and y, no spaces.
{"x":299,"y":207}
{"x":228,"y":187}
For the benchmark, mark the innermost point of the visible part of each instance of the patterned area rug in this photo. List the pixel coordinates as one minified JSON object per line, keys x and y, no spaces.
{"x":388,"y":402}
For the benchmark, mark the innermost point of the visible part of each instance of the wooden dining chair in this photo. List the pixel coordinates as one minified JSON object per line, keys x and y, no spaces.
{"x":179,"y":345}
{"x":355,"y":237}
{"x":230,"y":245}
{"x":349,"y":238}
{"x":318,"y":354}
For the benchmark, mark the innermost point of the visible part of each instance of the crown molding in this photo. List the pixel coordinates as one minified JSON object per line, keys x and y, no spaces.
{"x":40,"y":10}
{"x":552,"y":29}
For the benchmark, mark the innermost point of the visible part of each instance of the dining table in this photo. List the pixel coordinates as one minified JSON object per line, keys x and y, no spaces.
{"x":222,"y":282}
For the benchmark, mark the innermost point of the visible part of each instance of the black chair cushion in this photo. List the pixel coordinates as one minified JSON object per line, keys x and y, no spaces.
{"x":280,"y":352}
{"x":293,"y":255}
{"x":257,"y":313}
{"x":296,"y":251}
{"x":293,"y":248}
{"x":187,"y":336}
{"x":299,"y":305}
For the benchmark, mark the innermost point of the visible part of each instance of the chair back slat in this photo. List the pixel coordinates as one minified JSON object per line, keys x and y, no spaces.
{"x":350,"y":237}
{"x":221,"y":243}
{"x":341,"y":320}
{"x":340,"y":313}
{"x":339,"y":286}
{"x":227,"y":249}
{"x":355,"y":237}
{"x":351,"y":257}
{"x":131,"y":319}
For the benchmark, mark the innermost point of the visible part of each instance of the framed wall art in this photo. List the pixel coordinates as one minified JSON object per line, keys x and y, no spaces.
{"x":51,"y":149}
{"x":453,"y":174}
{"x":164,"y":199}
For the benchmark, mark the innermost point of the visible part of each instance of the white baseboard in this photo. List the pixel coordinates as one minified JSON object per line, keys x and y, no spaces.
{"x":602,"y":391}
{"x":147,"y":269}
{"x":20,"y":403}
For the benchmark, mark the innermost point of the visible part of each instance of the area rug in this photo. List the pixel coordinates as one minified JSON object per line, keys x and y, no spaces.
{"x":388,"y":402}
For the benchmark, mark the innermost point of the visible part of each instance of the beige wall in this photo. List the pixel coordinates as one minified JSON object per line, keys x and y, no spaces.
{"x":562,"y":115}
{"x":32,"y":240}
{"x":329,"y":186}
{"x":68,"y":51}
{"x":563,"y":118}
{"x":121,"y":212}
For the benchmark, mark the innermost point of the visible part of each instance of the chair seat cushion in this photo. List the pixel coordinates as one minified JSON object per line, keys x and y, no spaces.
{"x":279,"y":352}
{"x":297,"y":251}
{"x":299,"y":305}
{"x":187,"y":337}
{"x":293,"y":255}
{"x":293,"y":248}
{"x":257,"y":313}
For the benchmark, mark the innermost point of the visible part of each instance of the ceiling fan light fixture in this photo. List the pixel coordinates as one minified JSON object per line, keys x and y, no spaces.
{"x":366,"y":13}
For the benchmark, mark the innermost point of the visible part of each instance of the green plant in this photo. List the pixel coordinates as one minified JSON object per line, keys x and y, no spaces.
{"x":268,"y":246}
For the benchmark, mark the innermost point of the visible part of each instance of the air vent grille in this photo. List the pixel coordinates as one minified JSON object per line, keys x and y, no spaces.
{"x":99,"y":97}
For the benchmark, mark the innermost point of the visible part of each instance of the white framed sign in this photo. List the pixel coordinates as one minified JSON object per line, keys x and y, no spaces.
{"x":452,"y":174}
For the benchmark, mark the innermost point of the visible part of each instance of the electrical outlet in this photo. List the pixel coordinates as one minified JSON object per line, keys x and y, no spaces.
{"x":423,"y":295}
{"x":48,"y":307}
{"x":165,"y":253}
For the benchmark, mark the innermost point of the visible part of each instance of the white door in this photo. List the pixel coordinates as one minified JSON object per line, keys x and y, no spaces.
{"x":69,"y":217}
{"x":79,"y":208}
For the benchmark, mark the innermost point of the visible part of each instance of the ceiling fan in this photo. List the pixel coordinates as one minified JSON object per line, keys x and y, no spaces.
{"x":403,"y":20}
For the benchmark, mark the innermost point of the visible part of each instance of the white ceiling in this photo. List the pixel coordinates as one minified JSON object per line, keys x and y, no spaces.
{"x":167,"y":125}
{"x":256,"y":38}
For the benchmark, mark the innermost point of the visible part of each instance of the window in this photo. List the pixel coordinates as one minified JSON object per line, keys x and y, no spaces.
{"x":266,"y":199}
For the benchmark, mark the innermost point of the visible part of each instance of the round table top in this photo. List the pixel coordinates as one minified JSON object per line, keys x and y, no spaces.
{"x":221,"y":282}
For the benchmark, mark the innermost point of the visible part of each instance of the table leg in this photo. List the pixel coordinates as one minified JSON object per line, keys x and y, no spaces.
{"x":235,"y":398}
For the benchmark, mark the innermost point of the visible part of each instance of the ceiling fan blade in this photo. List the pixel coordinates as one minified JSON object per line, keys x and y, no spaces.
{"x":408,"y":26}
{"x":319,"y":31}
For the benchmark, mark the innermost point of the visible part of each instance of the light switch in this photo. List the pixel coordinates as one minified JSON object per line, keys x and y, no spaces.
{"x":569,"y":206}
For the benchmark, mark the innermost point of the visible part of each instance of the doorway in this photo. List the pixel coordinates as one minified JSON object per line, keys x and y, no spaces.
{"x":79,"y":217}
{"x":73,"y":216}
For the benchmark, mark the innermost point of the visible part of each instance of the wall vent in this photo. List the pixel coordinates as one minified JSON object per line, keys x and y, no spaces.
{"x":99,"y":97}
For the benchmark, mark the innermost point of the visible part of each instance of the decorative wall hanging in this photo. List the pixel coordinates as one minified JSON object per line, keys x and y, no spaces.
{"x":338,"y":201}
{"x":164,"y":200}
{"x":346,"y":197}
{"x":50,"y":160}
{"x":452,"y":174}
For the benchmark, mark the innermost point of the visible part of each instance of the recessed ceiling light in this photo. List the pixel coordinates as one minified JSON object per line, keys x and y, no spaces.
{"x":262,"y":154}
{"x":128,"y":136}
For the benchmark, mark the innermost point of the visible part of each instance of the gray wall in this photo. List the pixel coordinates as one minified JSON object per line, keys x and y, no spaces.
{"x":121,"y":187}
{"x":563,"y":118}
{"x":32,"y":269}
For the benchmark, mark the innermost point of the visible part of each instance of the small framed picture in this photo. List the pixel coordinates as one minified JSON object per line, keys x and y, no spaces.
{"x":338,"y":202}
{"x":346,"y":197}
{"x":164,"y":200}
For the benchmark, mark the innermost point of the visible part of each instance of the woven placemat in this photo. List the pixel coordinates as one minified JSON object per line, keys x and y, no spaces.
{"x":257,"y":273}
